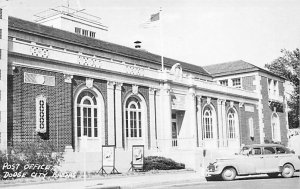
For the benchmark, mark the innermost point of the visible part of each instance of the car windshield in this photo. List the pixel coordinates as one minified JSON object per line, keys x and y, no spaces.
{"x":245,"y":150}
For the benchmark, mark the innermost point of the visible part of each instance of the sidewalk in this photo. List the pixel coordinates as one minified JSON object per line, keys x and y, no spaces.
{"x":127,"y":182}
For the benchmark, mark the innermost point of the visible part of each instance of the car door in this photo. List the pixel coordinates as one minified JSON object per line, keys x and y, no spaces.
{"x":258,"y":159}
{"x":271,"y":159}
{"x":252,"y":163}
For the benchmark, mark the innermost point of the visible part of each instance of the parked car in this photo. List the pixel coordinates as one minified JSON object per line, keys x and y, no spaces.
{"x":272,"y":159}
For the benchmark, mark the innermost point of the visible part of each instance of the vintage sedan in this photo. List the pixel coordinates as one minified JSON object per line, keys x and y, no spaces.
{"x":272,"y":159}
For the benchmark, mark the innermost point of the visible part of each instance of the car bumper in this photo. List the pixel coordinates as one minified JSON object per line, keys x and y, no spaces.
{"x":212,"y":173}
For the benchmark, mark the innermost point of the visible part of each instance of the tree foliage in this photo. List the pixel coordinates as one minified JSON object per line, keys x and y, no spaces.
{"x":288,"y":67}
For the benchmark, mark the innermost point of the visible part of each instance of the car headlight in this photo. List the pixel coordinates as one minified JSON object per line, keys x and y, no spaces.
{"x":216,"y":166}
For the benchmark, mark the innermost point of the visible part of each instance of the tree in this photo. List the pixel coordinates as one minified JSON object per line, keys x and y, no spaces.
{"x":288,"y":67}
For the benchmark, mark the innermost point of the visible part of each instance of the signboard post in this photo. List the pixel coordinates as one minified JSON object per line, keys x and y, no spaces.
{"x":137,"y":157}
{"x":108,"y":159}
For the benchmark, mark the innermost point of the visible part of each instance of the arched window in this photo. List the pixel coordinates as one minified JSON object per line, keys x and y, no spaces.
{"x":231,"y":124}
{"x":275,"y":127}
{"x":87,"y":115}
{"x":133,"y":118}
{"x":208,"y":123}
{"x":251,"y":127}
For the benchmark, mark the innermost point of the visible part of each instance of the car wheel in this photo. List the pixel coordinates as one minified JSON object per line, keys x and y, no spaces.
{"x":287,"y":171}
{"x":273,"y":175}
{"x":228,"y":174}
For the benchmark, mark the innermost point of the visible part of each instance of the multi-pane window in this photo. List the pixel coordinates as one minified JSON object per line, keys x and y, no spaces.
{"x":0,"y":13}
{"x":77,"y":30}
{"x":251,"y":127}
{"x":273,"y":88}
{"x":208,"y":123}
{"x":236,"y":82}
{"x":92,"y":34}
{"x":270,"y":86}
{"x":231,"y":124}
{"x":87,"y":115}
{"x":275,"y":127}
{"x":85,"y":32}
{"x":224,"y":82}
{"x":133,"y":118}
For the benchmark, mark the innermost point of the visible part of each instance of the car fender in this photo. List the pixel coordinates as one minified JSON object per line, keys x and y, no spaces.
{"x":224,"y":165}
{"x":286,"y":161}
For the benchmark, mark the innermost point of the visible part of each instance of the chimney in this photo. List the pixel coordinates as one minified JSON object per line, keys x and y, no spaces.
{"x":137,"y":44}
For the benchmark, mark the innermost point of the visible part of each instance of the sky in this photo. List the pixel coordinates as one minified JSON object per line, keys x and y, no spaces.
{"x":200,"y":32}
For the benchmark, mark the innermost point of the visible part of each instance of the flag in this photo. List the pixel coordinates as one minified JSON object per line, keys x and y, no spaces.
{"x":154,"y":17}
{"x":152,"y":22}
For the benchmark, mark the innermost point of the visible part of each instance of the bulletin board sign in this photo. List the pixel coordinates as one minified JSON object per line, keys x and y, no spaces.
{"x":137,"y":157}
{"x":108,"y":159}
{"x":108,"y":156}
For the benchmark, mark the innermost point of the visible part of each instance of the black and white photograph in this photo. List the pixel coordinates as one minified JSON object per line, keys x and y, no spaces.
{"x":156,"y":94}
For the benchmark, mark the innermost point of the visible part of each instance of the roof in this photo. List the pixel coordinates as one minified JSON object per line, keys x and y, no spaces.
{"x":234,"y":67}
{"x":69,"y":37}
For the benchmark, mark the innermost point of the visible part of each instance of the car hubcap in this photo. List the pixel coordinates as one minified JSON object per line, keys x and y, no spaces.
{"x":228,"y":173}
{"x":287,"y":171}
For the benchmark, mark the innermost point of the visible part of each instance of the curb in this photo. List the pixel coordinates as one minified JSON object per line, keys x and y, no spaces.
{"x":153,"y":184}
{"x":89,"y":179}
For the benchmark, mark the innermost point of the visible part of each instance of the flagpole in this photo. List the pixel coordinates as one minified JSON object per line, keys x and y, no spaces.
{"x":161,"y":40}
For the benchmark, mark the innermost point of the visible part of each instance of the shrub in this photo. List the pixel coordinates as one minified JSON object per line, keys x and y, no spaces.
{"x":161,"y":163}
{"x":39,"y":153}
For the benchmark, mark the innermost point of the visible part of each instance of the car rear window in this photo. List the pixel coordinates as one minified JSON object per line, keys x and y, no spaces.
{"x":269,"y":150}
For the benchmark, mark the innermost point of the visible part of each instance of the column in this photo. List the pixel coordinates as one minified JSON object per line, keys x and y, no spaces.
{"x":191,"y":111}
{"x":152,"y":118}
{"x":110,"y":113}
{"x":118,"y":111}
{"x":199,"y":121}
{"x":220,"y":122}
{"x":164,"y":128}
{"x":224,"y":118}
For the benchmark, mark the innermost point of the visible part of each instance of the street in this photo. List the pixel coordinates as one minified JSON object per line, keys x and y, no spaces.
{"x":252,"y":182}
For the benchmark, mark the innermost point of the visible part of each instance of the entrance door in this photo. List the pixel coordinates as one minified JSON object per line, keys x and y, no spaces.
{"x":87,"y":122}
{"x":174,"y":129}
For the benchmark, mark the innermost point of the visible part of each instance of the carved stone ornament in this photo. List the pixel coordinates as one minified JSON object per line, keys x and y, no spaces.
{"x":152,"y":90}
{"x":119,"y":86}
{"x":68,"y":78}
{"x":40,"y":79}
{"x":220,"y":101}
{"x":135,"y":89}
{"x":231,"y":104}
{"x":89,"y":82}
{"x":176,"y":70}
{"x":208,"y":100}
